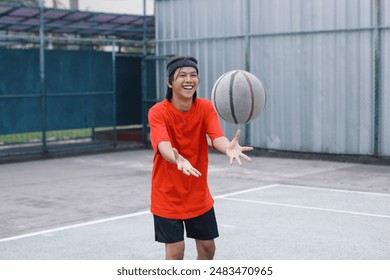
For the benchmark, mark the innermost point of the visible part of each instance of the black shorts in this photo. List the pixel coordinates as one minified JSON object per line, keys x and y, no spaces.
{"x":203,"y":227}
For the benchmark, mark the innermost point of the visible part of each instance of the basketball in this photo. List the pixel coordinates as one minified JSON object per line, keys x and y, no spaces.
{"x":238,"y":97}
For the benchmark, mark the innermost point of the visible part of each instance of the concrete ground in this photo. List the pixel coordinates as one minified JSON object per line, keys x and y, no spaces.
{"x":96,"y":207}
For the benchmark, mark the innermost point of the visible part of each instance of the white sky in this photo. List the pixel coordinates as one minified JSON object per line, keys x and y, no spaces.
{"x":110,"y":6}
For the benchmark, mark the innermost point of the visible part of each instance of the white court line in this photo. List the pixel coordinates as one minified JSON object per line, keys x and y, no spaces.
{"x":246,"y":191}
{"x":224,"y":196}
{"x":306,"y":207}
{"x":74,"y":226}
{"x":330,"y":190}
{"x":112,"y":218}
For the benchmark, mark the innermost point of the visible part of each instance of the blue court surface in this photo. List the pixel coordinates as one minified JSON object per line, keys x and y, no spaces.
{"x":335,"y":212}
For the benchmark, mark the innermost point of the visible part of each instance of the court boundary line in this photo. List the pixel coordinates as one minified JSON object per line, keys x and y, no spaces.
{"x":226,"y":197}
{"x":332,"y":190}
{"x":110,"y":219}
{"x":246,"y":191}
{"x":94,"y":222}
{"x":306,"y":207}
{"x":223,"y":197}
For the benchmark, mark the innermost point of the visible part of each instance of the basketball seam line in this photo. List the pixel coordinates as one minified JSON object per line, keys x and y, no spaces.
{"x":215,"y":96}
{"x":231,"y":96}
{"x":252,"y":96}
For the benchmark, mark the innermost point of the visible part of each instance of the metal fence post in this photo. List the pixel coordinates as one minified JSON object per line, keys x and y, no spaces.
{"x":144,"y":77}
{"x":377,"y":75}
{"x":247,"y":23}
{"x":114,"y":130}
{"x":42,"y":73}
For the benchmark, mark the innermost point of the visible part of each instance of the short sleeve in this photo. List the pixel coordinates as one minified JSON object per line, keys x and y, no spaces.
{"x":158,"y":128}
{"x":213,"y":125}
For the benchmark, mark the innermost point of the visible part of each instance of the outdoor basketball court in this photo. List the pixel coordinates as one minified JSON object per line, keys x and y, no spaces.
{"x":96,"y":207}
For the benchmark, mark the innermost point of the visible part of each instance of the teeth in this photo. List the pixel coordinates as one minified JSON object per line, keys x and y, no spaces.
{"x":188,"y":87}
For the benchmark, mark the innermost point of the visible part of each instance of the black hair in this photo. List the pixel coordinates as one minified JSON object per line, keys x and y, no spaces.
{"x":175,"y":63}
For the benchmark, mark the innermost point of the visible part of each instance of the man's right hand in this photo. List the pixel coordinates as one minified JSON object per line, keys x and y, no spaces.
{"x":185,"y":166}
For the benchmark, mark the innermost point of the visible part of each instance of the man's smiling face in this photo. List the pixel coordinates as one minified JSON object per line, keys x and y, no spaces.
{"x":185,"y":82}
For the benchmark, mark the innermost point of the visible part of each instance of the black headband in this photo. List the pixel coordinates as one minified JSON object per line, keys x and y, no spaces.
{"x":180,"y":62}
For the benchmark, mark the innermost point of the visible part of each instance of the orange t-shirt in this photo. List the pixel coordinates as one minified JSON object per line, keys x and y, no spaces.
{"x":174,"y":194}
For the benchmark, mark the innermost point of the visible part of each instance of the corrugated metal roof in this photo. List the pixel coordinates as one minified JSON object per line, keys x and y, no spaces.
{"x":57,"y":21}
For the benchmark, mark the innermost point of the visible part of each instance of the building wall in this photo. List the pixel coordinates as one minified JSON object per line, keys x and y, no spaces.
{"x":318,"y":61}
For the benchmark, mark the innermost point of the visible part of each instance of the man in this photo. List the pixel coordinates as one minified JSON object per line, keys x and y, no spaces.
{"x":180,"y":194}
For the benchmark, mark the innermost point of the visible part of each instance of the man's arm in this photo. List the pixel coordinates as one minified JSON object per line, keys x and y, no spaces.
{"x":232,"y":148}
{"x":166,"y":150}
{"x":172,"y":155}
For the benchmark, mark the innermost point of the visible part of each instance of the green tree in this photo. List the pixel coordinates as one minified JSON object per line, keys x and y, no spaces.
{"x":21,"y":2}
